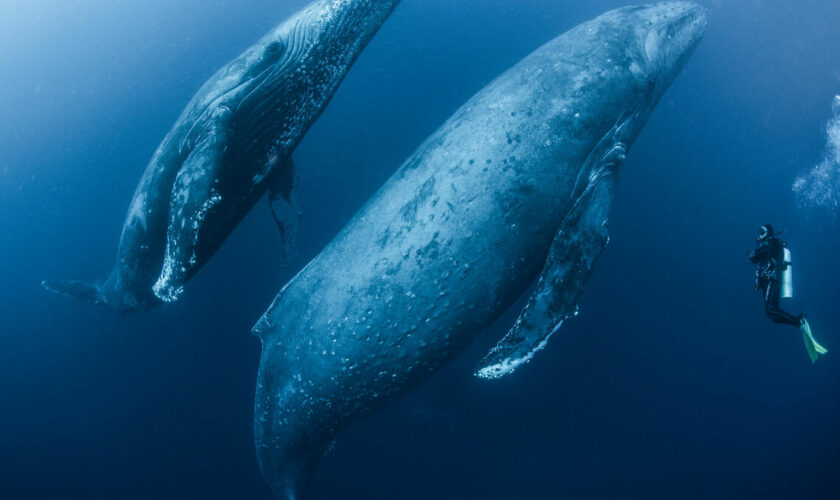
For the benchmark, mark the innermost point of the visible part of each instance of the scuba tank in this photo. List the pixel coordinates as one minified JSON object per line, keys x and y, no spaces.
{"x":787,"y":275}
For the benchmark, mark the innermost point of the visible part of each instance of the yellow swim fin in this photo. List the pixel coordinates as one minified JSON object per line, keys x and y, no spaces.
{"x":812,"y":346}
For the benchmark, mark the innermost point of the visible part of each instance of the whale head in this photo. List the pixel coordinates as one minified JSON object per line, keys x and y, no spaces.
{"x":635,"y":53}
{"x":667,"y":34}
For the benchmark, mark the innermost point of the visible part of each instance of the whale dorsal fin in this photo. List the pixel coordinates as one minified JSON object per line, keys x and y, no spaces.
{"x":576,"y":246}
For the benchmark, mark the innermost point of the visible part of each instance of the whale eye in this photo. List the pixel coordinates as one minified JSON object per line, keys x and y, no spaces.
{"x":274,"y":47}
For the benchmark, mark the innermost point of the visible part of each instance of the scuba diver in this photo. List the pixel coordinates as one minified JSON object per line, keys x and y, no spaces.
{"x":774,"y":278}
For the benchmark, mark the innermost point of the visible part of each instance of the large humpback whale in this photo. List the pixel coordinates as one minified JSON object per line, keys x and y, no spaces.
{"x":232,"y":143}
{"x":519,"y":179}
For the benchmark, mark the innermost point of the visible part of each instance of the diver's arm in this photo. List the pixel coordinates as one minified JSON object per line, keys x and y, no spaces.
{"x":759,"y":254}
{"x":776,"y":253}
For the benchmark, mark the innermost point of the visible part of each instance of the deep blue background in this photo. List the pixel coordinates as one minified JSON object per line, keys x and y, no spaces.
{"x":669,"y":383}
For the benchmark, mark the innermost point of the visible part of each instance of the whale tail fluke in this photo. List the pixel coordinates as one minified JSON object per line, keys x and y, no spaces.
{"x":105,"y":293}
{"x":811,"y":345}
{"x":77,"y":289}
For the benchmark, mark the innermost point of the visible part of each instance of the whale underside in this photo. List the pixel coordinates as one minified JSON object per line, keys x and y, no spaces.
{"x":516,"y":186}
{"x":231,"y":145}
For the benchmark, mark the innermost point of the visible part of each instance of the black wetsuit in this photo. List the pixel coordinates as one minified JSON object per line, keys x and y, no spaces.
{"x":769,"y":258}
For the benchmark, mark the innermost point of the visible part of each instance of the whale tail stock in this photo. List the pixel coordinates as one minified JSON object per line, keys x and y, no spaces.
{"x":95,"y":293}
{"x":288,"y":445}
{"x":287,"y":457}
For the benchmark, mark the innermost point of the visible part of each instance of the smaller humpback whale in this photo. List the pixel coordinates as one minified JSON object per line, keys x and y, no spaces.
{"x":519,"y":178}
{"x":232,"y":143}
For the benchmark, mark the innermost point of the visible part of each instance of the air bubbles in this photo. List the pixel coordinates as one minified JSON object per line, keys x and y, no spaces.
{"x":820,"y":186}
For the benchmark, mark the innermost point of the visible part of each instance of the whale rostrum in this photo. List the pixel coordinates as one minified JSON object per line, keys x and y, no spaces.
{"x":231,"y":144}
{"x":518,"y":180}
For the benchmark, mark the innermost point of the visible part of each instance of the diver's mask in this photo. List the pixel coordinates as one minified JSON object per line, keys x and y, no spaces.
{"x":765,"y":232}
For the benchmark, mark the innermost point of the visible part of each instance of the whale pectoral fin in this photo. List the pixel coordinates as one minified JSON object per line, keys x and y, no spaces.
{"x":283,"y":203}
{"x":193,"y":195}
{"x":580,"y":240}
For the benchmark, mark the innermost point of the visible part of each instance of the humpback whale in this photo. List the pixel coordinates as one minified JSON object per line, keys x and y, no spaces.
{"x":515,"y":186}
{"x":231,"y":144}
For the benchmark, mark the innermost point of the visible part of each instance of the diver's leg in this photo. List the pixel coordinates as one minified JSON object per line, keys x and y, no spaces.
{"x":784,"y":317}
{"x":777,"y":315}
{"x":772,"y":309}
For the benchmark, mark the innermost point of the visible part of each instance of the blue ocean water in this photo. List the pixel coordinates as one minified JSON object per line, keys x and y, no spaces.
{"x":670,"y":383}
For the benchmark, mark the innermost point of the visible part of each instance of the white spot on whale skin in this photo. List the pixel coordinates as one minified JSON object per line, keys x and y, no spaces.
{"x":509,"y":365}
{"x":137,"y":211}
{"x":258,"y":177}
{"x":272,"y":161}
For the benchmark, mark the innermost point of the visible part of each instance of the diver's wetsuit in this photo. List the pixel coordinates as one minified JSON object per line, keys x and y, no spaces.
{"x":769,"y":257}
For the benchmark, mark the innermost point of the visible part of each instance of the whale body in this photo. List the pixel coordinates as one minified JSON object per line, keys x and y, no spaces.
{"x":231,"y":144}
{"x":515,"y":186}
